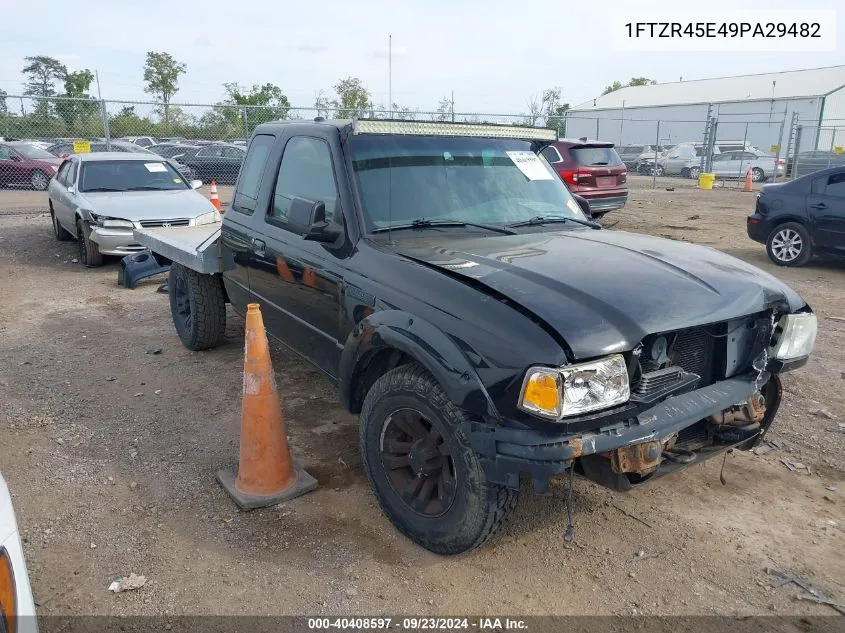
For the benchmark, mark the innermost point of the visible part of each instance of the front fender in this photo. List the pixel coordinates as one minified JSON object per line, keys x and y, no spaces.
{"x":426,"y":344}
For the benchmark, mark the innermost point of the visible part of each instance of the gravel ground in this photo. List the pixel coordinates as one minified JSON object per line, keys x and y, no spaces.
{"x":110,"y":451}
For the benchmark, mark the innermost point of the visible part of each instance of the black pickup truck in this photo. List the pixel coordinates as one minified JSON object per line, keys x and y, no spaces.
{"x":484,"y":328}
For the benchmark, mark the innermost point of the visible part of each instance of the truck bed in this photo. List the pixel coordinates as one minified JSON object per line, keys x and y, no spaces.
{"x":195,"y":247}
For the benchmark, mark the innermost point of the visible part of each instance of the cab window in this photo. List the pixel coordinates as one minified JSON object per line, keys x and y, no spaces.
{"x":305,"y":172}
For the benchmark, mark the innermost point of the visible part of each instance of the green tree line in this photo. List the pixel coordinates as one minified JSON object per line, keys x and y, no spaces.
{"x":63,"y":105}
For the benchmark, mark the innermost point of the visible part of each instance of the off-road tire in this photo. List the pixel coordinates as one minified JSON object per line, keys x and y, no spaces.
{"x":806,"y":245}
{"x":89,"y":250}
{"x":203,"y":326}
{"x":61,"y":234}
{"x":479,"y":507}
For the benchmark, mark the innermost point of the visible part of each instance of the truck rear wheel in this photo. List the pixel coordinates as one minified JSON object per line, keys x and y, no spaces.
{"x":426,"y":476}
{"x":198,"y":307}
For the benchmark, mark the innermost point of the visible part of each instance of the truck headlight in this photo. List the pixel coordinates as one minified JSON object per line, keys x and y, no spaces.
{"x":556,"y":393}
{"x":794,"y":336}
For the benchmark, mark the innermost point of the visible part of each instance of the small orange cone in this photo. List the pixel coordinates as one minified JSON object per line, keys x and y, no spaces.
{"x":748,"y":180}
{"x":266,"y":474}
{"x":215,"y":200}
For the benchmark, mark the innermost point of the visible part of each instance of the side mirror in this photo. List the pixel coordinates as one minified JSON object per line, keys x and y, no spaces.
{"x":584,"y":204}
{"x":308,"y":219}
{"x":196,"y":184}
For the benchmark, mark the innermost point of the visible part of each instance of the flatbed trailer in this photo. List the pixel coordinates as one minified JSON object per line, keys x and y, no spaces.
{"x":195,"y":247}
{"x":196,"y":257}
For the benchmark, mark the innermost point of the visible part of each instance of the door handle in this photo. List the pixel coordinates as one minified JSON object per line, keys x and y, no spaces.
{"x":821,"y":206}
{"x":258,"y":246}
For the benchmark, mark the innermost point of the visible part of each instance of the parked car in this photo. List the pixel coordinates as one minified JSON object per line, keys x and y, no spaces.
{"x":483,"y":328}
{"x":65,"y":149}
{"x":25,"y":164}
{"x":801,"y":218}
{"x":591,"y":169}
{"x":142,"y":141}
{"x":735,"y":164}
{"x":220,"y":162}
{"x":811,"y":161}
{"x":685,"y":159}
{"x":17,"y":606}
{"x":632,"y":154}
{"x":99,"y":198}
{"x":172,"y":150}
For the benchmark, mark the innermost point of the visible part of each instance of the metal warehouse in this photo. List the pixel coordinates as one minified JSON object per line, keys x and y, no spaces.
{"x":784,"y":109}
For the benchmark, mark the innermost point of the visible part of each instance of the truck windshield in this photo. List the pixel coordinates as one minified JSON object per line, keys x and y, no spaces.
{"x":403,"y":178}
{"x":129,"y":175}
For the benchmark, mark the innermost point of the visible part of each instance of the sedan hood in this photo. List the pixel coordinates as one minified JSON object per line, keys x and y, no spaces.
{"x":148,"y":205}
{"x":603,"y":291}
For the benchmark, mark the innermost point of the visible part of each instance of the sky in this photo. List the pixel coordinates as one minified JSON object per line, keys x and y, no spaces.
{"x":493,"y":54}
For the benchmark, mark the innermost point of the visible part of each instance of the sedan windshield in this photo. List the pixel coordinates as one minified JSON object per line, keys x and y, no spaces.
{"x":403,"y":179}
{"x":129,"y":175}
{"x":35,"y":153}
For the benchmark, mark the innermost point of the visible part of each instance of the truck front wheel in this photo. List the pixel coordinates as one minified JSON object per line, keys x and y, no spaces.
{"x":426,"y":476}
{"x":198,"y":306}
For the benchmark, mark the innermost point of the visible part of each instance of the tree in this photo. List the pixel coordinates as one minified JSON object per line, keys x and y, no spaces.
{"x":73,"y":110}
{"x":4,"y":109}
{"x":641,"y":81}
{"x":613,"y":87}
{"x":323,"y":105}
{"x":445,"y":110}
{"x":635,"y":81}
{"x":404,"y":113}
{"x":42,"y":72}
{"x":161,"y":74}
{"x":534,"y":111}
{"x":557,"y":119}
{"x":274,"y":104}
{"x":353,"y":99}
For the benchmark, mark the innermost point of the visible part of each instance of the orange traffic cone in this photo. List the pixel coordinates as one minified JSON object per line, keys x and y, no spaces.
{"x":748,"y":180}
{"x":266,"y":474}
{"x":215,"y":200}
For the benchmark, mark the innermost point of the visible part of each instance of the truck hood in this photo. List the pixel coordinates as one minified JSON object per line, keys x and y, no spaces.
{"x":148,"y":205}
{"x":603,"y":291}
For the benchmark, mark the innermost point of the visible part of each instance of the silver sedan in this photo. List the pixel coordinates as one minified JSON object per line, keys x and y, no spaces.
{"x":98,"y":199}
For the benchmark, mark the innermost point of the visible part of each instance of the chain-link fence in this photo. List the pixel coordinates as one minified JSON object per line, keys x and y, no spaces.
{"x":208,"y":142}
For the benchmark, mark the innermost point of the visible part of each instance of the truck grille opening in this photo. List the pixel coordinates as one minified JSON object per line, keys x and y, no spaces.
{"x":152,"y":224}
{"x":664,"y":355}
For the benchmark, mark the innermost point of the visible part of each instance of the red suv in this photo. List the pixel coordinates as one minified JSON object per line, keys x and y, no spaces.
{"x":593,"y":170}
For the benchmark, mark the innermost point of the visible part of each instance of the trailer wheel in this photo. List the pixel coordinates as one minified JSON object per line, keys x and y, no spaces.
{"x":198,"y":307}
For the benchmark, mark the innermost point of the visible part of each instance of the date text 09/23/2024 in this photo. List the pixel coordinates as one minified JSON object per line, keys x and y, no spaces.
{"x":417,"y":624}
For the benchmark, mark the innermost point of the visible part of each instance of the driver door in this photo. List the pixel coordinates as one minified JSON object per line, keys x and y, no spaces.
{"x":11,"y":171}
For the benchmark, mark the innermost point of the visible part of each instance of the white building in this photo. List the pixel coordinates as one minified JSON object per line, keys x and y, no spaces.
{"x":759,"y":106}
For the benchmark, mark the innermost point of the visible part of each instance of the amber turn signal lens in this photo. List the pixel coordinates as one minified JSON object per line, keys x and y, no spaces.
{"x":541,"y":392}
{"x":8,"y":596}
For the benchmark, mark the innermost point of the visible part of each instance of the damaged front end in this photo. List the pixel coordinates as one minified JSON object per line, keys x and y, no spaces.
{"x":694,"y":394}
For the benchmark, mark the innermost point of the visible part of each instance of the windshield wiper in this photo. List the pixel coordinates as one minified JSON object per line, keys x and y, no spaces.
{"x":551,"y":219}
{"x":423,"y":223}
{"x":102,"y":189}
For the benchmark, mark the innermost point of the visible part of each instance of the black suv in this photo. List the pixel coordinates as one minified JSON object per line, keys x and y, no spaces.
{"x":482,"y":325}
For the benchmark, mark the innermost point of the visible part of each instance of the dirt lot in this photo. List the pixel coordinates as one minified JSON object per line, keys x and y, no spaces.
{"x":111,"y":450}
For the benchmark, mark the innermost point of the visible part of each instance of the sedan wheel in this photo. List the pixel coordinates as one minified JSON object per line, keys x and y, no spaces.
{"x":694,"y":172}
{"x":39,"y":180}
{"x":757,"y":174}
{"x":789,"y":245}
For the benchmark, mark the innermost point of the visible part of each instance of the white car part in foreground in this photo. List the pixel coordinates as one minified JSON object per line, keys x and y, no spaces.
{"x":17,"y":608}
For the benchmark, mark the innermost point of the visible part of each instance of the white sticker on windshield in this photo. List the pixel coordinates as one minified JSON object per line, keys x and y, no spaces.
{"x":154,"y":167}
{"x":530,"y":165}
{"x":573,"y":206}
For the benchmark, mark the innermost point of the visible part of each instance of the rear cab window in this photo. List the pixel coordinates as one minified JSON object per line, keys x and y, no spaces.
{"x":595,"y":156}
{"x":252,"y":173}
